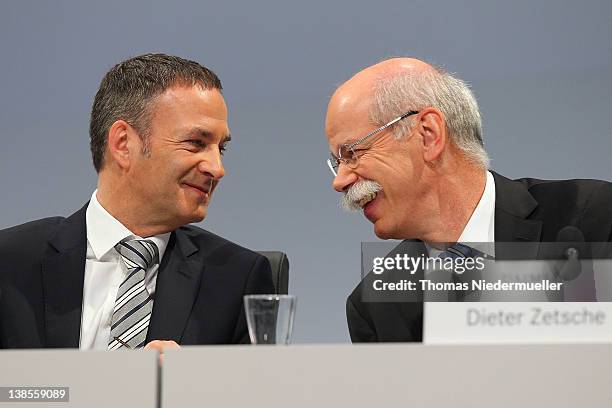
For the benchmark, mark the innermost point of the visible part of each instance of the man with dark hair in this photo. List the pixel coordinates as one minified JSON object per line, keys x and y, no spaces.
{"x":407,"y":150}
{"x":127,"y":270}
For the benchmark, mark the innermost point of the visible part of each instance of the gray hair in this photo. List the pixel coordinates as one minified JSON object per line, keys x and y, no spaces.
{"x":436,"y":88}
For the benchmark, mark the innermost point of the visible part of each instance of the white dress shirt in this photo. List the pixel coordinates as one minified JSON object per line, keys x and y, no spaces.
{"x":480,"y":228}
{"x":479,"y":232}
{"x":104,"y":273}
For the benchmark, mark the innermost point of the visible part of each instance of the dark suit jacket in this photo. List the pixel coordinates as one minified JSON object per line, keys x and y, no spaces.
{"x":526,"y":210}
{"x":198,"y":299}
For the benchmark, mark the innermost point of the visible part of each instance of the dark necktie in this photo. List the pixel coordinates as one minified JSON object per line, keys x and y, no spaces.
{"x":456,"y":251}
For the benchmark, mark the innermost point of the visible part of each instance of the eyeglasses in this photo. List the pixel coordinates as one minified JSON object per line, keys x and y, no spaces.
{"x":348,"y":155}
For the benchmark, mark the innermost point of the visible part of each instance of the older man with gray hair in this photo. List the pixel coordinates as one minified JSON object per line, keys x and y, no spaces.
{"x":407,"y":149}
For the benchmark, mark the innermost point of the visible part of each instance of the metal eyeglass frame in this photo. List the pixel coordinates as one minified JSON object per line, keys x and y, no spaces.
{"x":334,"y":162}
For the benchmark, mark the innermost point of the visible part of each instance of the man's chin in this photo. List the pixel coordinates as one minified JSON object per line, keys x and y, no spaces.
{"x":383,"y":231}
{"x":380,"y":230}
{"x":198,"y":215}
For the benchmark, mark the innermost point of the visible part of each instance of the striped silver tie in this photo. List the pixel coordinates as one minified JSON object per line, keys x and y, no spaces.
{"x":133,"y":305}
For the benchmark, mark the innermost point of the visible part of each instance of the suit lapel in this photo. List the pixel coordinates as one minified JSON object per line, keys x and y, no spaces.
{"x":513,"y":205}
{"x":63,"y":271}
{"x":177,"y":287}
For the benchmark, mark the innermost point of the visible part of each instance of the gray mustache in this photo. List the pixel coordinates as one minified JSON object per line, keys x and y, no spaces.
{"x":350,"y":199}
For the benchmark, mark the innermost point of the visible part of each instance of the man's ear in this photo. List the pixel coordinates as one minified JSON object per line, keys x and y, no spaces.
{"x":433,"y":131}
{"x":121,"y":143}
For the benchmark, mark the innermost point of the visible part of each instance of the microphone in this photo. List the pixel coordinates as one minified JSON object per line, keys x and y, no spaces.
{"x":572,"y":248}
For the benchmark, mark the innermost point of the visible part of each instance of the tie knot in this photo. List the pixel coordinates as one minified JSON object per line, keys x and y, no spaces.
{"x":457,"y":251}
{"x":138,"y":253}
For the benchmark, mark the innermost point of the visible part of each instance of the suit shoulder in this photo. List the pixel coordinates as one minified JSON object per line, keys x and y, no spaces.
{"x":209,"y":240}
{"x":24,"y":244}
{"x":354,"y":299}
{"x":577,"y":192}
{"x":584,"y":203}
{"x":531,"y":182}
{"x":568,"y":185}
{"x":30,"y":232}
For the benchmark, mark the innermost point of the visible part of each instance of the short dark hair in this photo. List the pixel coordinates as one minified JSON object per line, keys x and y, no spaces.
{"x":127,"y":90}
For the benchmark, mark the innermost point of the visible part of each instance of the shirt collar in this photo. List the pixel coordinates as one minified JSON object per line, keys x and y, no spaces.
{"x":480,"y":228}
{"x":104,"y":231}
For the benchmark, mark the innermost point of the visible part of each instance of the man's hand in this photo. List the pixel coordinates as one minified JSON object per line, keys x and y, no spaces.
{"x":161,"y":345}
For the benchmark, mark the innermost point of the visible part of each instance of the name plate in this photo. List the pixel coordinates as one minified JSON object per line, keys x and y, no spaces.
{"x":517,"y":322}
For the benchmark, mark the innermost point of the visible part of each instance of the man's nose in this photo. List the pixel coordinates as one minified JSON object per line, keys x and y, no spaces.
{"x":344,"y":179}
{"x":212,"y":166}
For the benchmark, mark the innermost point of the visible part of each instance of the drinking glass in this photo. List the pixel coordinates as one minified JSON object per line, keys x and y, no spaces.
{"x":270,"y":318}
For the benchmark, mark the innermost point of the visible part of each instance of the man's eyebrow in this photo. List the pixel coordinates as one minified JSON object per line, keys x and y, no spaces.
{"x":207,"y":134}
{"x":347,"y":142}
{"x":200,"y":132}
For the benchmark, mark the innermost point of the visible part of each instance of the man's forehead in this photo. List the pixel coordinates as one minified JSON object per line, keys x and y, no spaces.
{"x":191,"y":100}
{"x":354,"y":98}
{"x":191,"y":108}
{"x":346,"y":116}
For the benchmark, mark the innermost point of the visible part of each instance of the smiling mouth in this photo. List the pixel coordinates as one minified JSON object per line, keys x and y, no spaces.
{"x":366,"y":199}
{"x":206,"y":189}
